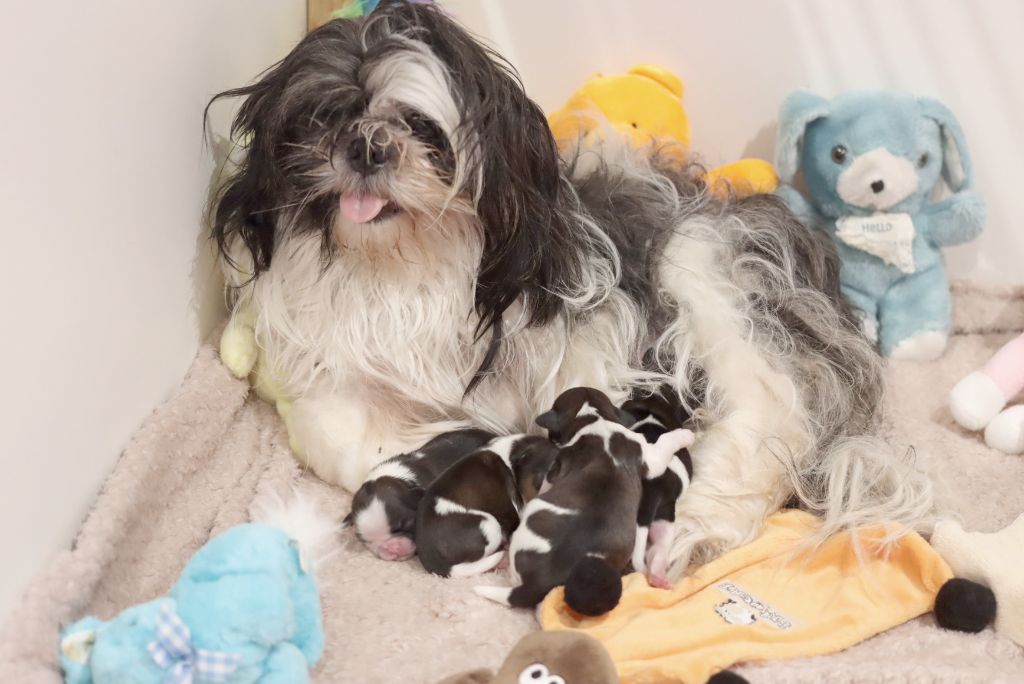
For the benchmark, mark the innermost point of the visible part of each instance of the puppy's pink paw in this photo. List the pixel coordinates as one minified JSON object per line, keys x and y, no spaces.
{"x":502,"y":564}
{"x":396,"y":549}
{"x":659,"y":581}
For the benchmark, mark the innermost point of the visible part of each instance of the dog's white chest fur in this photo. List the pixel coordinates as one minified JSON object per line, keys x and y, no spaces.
{"x":393,"y":327}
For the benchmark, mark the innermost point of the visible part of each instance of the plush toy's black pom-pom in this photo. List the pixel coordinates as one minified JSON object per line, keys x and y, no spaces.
{"x":593,"y":587}
{"x":965,"y":606}
{"x":727,"y":677}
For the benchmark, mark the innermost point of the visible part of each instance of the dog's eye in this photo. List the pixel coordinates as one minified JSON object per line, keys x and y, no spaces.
{"x":922,"y":161}
{"x":838,"y":154}
{"x":422,"y":127}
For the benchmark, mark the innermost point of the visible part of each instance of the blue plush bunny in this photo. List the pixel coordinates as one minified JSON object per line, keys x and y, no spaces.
{"x":244,"y":611}
{"x":871,"y":162}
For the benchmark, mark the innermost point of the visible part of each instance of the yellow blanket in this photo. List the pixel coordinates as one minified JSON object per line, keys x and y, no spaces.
{"x":769,"y":599}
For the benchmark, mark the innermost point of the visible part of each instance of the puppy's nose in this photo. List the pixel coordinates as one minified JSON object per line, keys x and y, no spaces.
{"x":368,"y":157}
{"x":878,"y":186}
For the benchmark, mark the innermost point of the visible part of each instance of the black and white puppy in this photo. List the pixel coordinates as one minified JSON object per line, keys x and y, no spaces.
{"x":468,"y":513}
{"x":384,"y":507}
{"x":653,"y":416}
{"x":586,"y":512}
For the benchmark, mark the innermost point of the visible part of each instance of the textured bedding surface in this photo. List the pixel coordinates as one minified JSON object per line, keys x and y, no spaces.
{"x":200,"y":462}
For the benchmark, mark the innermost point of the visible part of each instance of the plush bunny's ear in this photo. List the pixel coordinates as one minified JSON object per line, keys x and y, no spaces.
{"x":798,"y":110}
{"x":76,"y":645}
{"x":956,"y":163}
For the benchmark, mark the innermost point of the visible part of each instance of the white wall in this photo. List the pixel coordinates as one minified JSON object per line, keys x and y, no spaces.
{"x":739,"y":59}
{"x":103,"y":174}
{"x":103,"y":177}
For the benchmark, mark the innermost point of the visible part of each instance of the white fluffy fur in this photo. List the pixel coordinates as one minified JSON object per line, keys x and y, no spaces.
{"x":392,"y":469}
{"x":300,"y":519}
{"x":740,"y":478}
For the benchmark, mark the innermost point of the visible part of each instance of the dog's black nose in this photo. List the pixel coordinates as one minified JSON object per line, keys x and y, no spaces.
{"x":368,"y":157}
{"x":878,"y":186}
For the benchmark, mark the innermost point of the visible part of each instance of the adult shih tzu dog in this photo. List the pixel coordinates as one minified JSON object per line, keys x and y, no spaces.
{"x":417,"y":256}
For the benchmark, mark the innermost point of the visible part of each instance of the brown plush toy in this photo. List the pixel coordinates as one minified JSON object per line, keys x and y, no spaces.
{"x":549,"y":658}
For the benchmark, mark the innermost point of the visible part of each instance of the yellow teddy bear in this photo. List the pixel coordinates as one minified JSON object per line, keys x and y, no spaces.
{"x":240,"y":352}
{"x":647,"y":105}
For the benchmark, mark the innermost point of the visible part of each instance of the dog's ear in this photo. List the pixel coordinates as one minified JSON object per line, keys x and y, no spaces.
{"x":522,"y":206}
{"x":956,"y":162}
{"x":243,"y":207}
{"x":798,"y":110}
{"x":347,"y":520}
{"x":549,"y":420}
{"x":627,"y":417}
{"x":513,"y":170}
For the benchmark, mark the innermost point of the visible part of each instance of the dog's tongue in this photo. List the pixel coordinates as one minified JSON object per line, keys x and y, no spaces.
{"x":359,"y":207}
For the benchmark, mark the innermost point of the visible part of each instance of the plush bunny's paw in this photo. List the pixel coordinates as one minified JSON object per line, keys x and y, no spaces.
{"x":968,"y":206}
{"x":925,"y":346}
{"x":238,"y":350}
{"x":1006,"y":431}
{"x":975,"y":401}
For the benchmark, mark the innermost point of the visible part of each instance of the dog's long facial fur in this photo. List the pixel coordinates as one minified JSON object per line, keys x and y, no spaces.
{"x":498,"y":275}
{"x":462,"y":149}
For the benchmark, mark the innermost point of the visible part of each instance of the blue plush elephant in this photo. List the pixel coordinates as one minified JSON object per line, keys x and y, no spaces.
{"x":243,"y":612}
{"x":871,"y":162}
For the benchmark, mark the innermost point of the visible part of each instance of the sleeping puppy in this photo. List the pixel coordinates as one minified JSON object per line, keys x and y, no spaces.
{"x":654,"y":416}
{"x":580,"y":530}
{"x":468,"y":512}
{"x":384,"y":508}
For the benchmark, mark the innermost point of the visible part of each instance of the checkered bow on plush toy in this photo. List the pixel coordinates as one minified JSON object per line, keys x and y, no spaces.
{"x":244,"y":611}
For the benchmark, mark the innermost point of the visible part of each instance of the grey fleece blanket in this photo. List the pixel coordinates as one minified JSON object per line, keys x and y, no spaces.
{"x":200,"y":462}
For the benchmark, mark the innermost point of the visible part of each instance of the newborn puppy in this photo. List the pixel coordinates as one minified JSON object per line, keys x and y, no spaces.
{"x":468,"y":512}
{"x":384,"y":508}
{"x":654,"y":416}
{"x":580,"y":530}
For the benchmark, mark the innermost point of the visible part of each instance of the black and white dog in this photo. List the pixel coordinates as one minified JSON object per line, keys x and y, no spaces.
{"x":384,"y":507}
{"x":468,"y":513}
{"x":416,"y":256}
{"x":585,"y":518}
{"x":653,"y":416}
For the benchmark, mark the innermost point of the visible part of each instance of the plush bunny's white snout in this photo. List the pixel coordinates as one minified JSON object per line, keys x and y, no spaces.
{"x":877,"y":180}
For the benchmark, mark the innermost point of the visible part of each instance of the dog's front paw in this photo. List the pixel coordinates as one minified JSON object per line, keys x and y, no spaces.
{"x":238,"y":350}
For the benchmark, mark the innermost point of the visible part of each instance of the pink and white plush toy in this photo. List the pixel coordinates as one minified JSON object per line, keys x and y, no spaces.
{"x":979,"y":400}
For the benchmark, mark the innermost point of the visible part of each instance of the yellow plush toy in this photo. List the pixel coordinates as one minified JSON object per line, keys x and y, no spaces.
{"x":240,"y":352}
{"x":646,"y":104}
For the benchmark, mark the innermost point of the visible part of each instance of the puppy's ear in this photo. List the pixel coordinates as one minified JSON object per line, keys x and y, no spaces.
{"x":554,"y":473}
{"x":626,"y":417}
{"x":346,"y":521}
{"x":956,"y":162}
{"x":549,"y":420}
{"x":798,"y":111}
